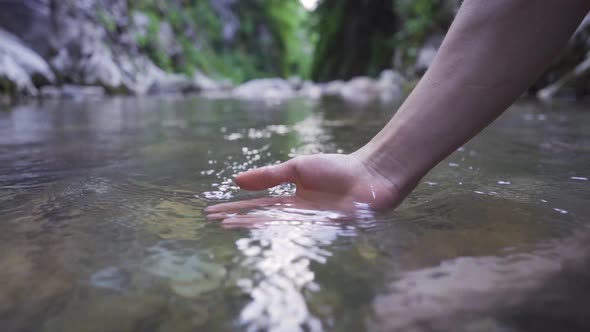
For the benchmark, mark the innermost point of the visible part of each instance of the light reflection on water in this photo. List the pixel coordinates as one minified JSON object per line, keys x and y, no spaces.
{"x":281,"y":255}
{"x":102,"y":222}
{"x":280,"y":250}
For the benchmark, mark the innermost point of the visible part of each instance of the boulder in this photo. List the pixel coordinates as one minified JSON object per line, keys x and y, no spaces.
{"x":172,"y":84}
{"x":13,"y":78}
{"x":27,"y":60}
{"x":391,"y":86}
{"x":265,"y":88}
{"x":101,"y":69}
{"x":360,"y":90}
{"x":203,"y":83}
{"x":310,"y":90}
{"x":332,"y":89}
{"x":166,"y":40}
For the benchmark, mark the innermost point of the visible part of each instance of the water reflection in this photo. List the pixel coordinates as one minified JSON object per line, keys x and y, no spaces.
{"x":281,"y":255}
{"x":494,"y":293}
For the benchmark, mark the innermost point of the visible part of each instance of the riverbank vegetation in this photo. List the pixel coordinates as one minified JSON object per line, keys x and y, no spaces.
{"x":154,"y":46}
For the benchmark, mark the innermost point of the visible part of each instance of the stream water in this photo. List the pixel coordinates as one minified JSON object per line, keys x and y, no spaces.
{"x":102,"y":225}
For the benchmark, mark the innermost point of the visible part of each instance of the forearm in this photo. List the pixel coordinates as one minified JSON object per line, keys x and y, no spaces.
{"x":493,"y":51}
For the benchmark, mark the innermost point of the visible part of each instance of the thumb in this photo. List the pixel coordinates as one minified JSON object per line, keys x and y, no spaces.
{"x":267,"y":177}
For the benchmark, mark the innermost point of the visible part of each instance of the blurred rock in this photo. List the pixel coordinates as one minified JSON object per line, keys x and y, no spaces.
{"x":13,"y":78}
{"x":391,"y":85}
{"x":204,"y":83}
{"x":310,"y":90}
{"x":171,"y":84}
{"x":101,"y":69}
{"x":332,"y":89}
{"x":79,"y":42}
{"x":427,"y":53}
{"x":386,"y":89}
{"x":360,"y":90}
{"x":76,"y":92}
{"x":166,"y":40}
{"x":580,"y":73}
{"x":569,"y":76}
{"x":265,"y":88}
{"x":21,"y":69}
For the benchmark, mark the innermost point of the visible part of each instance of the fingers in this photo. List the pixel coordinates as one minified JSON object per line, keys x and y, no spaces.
{"x":248,"y":204}
{"x":267,"y":177}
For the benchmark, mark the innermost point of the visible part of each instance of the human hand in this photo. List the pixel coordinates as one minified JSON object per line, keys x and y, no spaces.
{"x":324,"y":182}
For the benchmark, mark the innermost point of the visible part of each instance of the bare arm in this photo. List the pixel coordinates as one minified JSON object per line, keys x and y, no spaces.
{"x":493,"y":51}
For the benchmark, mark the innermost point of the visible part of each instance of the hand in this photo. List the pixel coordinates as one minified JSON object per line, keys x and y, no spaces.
{"x":327,"y":182}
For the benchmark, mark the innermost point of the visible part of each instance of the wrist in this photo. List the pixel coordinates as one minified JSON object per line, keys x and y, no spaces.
{"x":398,"y":173}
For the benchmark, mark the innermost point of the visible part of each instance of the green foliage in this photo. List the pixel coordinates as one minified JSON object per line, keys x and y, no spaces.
{"x":355,"y":38}
{"x":287,"y":19}
{"x":271,"y":39}
{"x":419,"y":19}
{"x":341,"y":39}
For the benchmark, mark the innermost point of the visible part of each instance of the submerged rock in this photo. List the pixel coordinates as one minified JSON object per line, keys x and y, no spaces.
{"x":188,"y":275}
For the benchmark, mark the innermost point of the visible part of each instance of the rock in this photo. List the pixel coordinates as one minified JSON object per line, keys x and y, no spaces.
{"x":50,"y":92}
{"x":332,"y":89}
{"x":569,"y":76}
{"x":141,"y":76}
{"x":363,"y":90}
{"x":265,"y":88}
{"x":82,"y":92}
{"x":101,"y":69}
{"x":76,"y":92}
{"x":187,"y":275}
{"x":141,"y":22}
{"x":204,"y":83}
{"x":14,"y":79}
{"x":567,"y":82}
{"x":391,"y":86}
{"x":172,"y":83}
{"x":310,"y":90}
{"x":427,"y":53}
{"x":166,"y":40}
{"x":27,"y":60}
{"x":360,"y":90}
{"x":296,"y":82}
{"x":138,"y":74}
{"x":29,"y":20}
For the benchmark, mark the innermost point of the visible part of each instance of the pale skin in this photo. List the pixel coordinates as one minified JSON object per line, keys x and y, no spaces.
{"x":493,"y":51}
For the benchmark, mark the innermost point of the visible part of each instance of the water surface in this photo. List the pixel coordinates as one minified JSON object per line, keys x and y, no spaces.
{"x":102,"y":225}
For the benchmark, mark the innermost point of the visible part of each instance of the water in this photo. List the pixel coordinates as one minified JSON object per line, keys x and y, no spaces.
{"x":102,"y":225}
